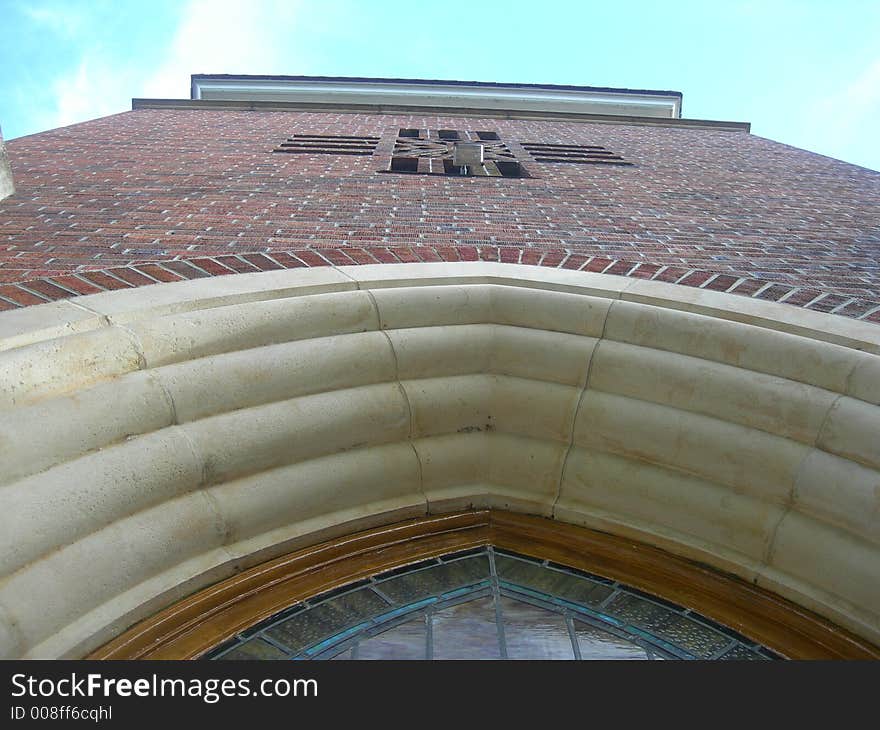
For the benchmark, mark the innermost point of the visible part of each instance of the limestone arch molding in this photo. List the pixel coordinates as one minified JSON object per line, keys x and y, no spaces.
{"x":155,"y":441}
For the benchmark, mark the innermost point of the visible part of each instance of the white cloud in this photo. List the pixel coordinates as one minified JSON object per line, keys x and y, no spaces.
{"x":96,"y":89}
{"x":844,"y":122}
{"x":226,"y":36}
{"x":858,"y":99}
{"x":64,"y":21}
{"x":213,"y":36}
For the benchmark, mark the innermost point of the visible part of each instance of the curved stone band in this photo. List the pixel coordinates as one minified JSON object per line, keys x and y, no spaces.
{"x":154,"y":441}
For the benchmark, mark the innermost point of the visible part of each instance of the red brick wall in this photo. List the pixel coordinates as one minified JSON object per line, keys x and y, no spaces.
{"x":159,"y":195}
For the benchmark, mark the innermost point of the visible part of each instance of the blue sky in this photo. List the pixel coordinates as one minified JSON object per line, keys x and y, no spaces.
{"x":804,"y":72}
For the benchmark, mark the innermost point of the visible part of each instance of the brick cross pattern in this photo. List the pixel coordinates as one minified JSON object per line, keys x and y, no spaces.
{"x":430,"y":151}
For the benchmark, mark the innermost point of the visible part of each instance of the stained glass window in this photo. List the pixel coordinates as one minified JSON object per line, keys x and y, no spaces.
{"x":488,"y":604}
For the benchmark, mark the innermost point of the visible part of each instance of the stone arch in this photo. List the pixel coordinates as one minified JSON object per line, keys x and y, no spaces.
{"x":158,"y":440}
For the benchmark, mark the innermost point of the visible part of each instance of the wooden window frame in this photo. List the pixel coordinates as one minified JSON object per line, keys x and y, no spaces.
{"x":196,"y":624}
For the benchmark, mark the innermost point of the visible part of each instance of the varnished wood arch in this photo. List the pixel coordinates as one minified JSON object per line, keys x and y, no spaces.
{"x":194,"y":625}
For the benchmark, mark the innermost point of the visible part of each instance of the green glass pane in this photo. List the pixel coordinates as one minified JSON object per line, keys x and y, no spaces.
{"x":554,"y":582}
{"x":329,"y":618}
{"x":436,"y":579}
{"x":406,"y":641}
{"x":534,"y":633}
{"x":740,"y":652}
{"x":639,"y":612}
{"x":255,"y":649}
{"x":597,"y":644}
{"x":681,"y":631}
{"x":699,"y":640}
{"x":466,"y":631}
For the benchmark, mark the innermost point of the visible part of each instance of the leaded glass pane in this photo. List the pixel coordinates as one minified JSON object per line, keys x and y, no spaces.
{"x":531,"y":632}
{"x":466,"y":631}
{"x":436,"y":579}
{"x":699,"y":640}
{"x":553,"y":582}
{"x":406,"y":641}
{"x":639,"y":612}
{"x":594,"y":643}
{"x":742,"y":653}
{"x":327,"y":619}
{"x":482,"y":604}
{"x":255,"y":649}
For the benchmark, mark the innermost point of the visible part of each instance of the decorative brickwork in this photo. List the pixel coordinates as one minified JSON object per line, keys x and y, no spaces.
{"x":163,"y":195}
{"x":572,"y":153}
{"x":432,"y":152}
{"x":328,"y":144}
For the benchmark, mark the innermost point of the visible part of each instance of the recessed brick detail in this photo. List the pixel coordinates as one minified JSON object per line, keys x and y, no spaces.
{"x":720,"y":283}
{"x":212,"y":266}
{"x":77,"y":285}
{"x":856,"y":309}
{"x":695,"y":278}
{"x":290,"y":262}
{"x":39,"y":291}
{"x":48,"y":289}
{"x":132,"y":276}
{"x":263,"y":263}
{"x":829,"y":303}
{"x":236,"y":264}
{"x":575,"y":262}
{"x":554,"y":258}
{"x":97,"y":209}
{"x":20,"y":296}
{"x":598,"y":265}
{"x":158,"y":273}
{"x":105,"y":280}
{"x":644,"y":271}
{"x":510,"y":255}
{"x":800,"y":297}
{"x":619,"y":268}
{"x":749,"y":287}
{"x":773,"y":293}
{"x":469,"y":253}
{"x":185,"y":269}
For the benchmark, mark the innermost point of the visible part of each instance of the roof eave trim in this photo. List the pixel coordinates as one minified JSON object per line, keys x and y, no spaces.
{"x":254,"y":105}
{"x":524,"y":97}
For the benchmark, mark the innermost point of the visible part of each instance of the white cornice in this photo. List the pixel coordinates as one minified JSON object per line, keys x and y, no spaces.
{"x":440,"y":94}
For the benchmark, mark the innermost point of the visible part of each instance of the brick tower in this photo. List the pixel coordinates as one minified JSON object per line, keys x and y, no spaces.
{"x":555,"y":322}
